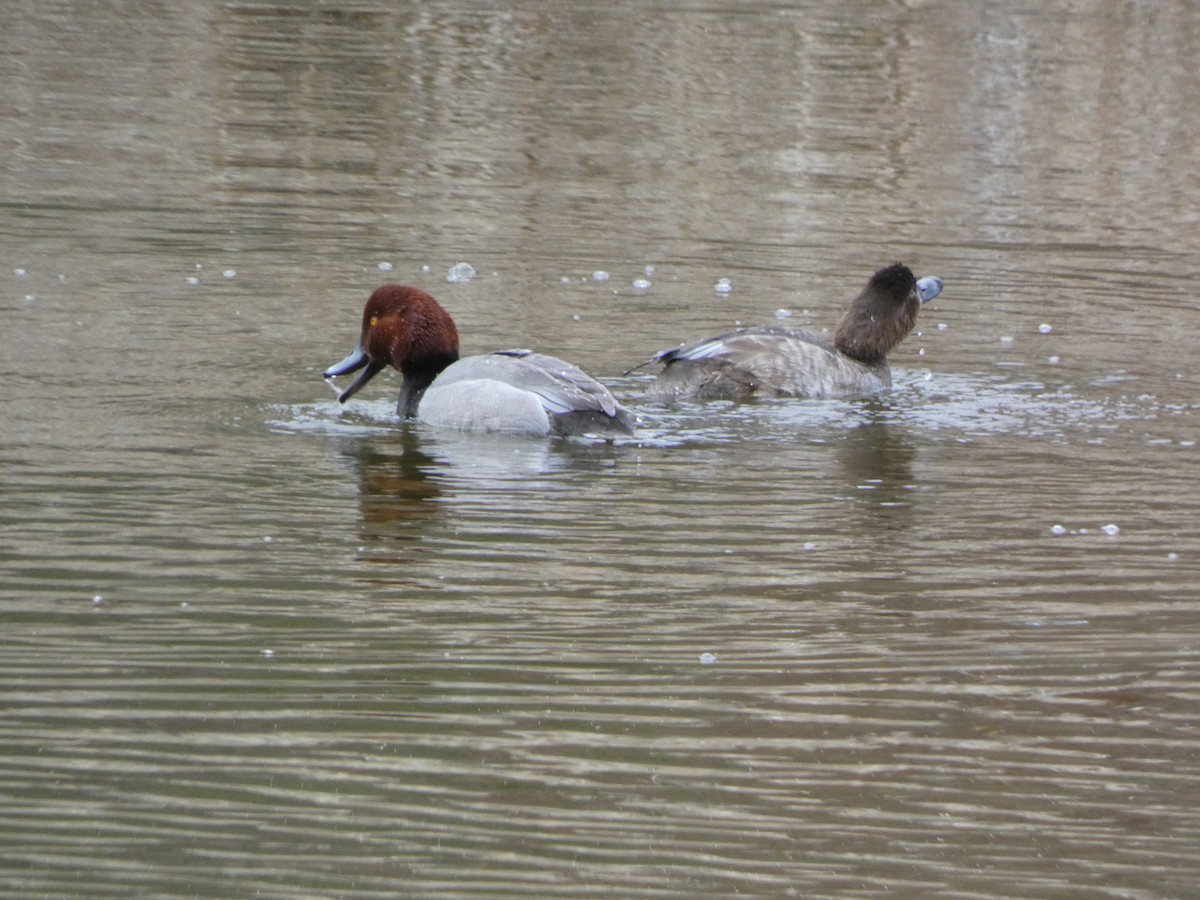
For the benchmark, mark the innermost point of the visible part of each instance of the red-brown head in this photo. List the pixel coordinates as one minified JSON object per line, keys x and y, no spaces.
{"x":881,"y":316}
{"x":403,"y":327}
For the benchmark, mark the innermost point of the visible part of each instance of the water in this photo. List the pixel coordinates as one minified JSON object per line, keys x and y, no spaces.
{"x":259,"y":643}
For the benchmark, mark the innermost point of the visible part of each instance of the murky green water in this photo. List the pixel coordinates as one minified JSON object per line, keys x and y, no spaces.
{"x":257,"y":644}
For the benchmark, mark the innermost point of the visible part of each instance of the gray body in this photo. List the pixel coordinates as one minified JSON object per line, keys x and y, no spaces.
{"x":522,"y":392}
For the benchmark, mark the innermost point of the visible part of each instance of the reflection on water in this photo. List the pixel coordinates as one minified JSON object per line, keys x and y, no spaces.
{"x":877,"y":460}
{"x":395,"y":488}
{"x":937,"y":643}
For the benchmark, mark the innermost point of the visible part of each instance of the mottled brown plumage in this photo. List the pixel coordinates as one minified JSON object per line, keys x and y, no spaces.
{"x":775,"y":361}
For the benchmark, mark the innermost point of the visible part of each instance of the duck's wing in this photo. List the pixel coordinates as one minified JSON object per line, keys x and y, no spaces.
{"x":743,"y":344}
{"x":770,"y":360}
{"x":560,"y":386}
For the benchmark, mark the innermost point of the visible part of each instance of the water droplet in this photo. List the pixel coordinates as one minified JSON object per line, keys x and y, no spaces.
{"x":460,"y":272}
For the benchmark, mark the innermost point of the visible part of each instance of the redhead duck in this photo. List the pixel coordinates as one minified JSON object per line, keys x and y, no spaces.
{"x":515,"y":391}
{"x":773,"y":361}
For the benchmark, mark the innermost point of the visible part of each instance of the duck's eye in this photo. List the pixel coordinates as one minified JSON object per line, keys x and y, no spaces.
{"x":374,"y":319}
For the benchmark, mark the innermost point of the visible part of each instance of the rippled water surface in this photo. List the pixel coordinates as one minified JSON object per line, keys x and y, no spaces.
{"x":939,"y":643}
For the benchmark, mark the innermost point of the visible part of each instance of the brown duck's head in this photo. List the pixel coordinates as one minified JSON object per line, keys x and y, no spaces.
{"x":883,"y":314}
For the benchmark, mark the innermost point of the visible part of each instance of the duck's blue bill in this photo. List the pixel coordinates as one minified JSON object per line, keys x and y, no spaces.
{"x":929,"y":287}
{"x":352,"y":363}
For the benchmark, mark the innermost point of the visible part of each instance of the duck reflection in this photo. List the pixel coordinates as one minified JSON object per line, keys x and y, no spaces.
{"x":417,"y":479}
{"x":396,"y":493}
{"x":877,"y":462}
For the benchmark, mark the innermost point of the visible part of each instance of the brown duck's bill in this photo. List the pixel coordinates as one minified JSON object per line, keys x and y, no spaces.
{"x":929,"y":287}
{"x":352,"y":363}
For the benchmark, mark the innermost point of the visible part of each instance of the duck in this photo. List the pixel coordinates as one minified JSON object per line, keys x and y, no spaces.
{"x":511,"y":391}
{"x":776,"y":361}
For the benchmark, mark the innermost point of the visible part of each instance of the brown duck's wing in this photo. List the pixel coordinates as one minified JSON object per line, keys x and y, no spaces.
{"x":770,"y":361}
